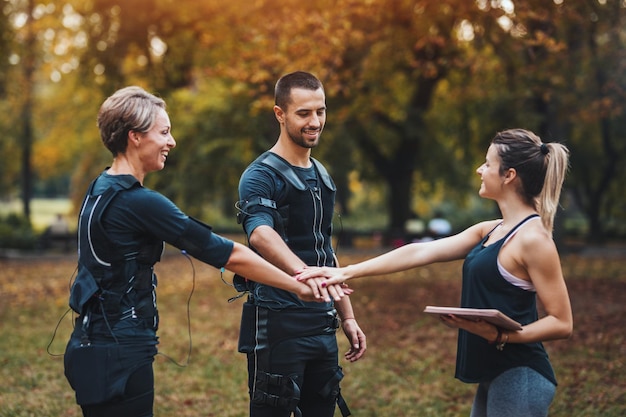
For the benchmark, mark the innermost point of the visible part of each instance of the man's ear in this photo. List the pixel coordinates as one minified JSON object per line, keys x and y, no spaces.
{"x":279,"y":113}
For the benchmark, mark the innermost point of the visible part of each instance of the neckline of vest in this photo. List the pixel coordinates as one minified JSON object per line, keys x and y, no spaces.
{"x":123,"y":181}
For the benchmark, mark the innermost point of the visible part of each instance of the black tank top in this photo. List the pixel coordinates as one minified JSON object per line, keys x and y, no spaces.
{"x":484,"y":287}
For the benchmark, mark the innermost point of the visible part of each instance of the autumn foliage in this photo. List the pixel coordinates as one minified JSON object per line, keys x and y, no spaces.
{"x":415,"y":89}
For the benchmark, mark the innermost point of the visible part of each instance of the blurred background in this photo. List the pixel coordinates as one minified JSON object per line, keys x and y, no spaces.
{"x":415,"y":91}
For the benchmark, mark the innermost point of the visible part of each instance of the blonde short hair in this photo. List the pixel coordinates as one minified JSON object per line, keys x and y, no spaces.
{"x":128,"y":109}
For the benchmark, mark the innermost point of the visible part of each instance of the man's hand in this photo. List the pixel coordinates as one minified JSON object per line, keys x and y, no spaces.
{"x":356,"y":337}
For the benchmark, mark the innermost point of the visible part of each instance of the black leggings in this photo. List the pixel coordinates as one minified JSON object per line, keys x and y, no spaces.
{"x":137,"y":400}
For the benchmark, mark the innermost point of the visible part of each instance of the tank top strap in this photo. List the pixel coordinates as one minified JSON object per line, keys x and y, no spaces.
{"x":517,"y":227}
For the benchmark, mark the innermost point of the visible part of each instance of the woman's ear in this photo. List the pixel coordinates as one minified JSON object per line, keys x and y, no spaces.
{"x":133,"y":137}
{"x":510,"y":175}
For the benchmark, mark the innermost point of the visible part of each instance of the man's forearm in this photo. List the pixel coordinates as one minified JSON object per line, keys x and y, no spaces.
{"x":273,"y":248}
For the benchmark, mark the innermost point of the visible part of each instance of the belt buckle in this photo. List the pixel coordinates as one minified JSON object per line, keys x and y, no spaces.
{"x":334,"y":319}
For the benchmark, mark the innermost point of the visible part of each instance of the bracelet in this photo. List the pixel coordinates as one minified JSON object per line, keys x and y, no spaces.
{"x":498,"y":338}
{"x":500,"y":346}
{"x":348,"y":318}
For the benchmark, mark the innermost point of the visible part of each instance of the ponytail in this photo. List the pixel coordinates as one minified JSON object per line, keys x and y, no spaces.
{"x":557,"y":164}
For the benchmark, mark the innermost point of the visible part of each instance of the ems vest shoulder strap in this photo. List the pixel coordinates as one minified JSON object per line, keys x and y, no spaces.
{"x":281,"y":166}
{"x":94,"y":258}
{"x":95,"y":206}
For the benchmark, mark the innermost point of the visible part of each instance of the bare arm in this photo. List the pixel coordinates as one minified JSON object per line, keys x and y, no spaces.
{"x":245,"y":262}
{"x":272,"y":247}
{"x":540,"y":258}
{"x":407,"y":256}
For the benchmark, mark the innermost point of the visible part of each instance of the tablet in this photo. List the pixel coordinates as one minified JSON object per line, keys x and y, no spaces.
{"x":491,"y":315}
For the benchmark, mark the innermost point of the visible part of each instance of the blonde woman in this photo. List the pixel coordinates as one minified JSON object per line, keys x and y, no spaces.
{"x":509,"y":264}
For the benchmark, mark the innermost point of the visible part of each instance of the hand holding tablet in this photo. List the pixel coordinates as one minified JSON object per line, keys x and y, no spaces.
{"x":493,"y":316}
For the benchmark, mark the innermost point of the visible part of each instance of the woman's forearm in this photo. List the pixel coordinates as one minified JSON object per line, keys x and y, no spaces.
{"x":248,"y":264}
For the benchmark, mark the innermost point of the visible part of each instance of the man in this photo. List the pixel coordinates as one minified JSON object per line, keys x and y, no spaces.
{"x":286,"y":202}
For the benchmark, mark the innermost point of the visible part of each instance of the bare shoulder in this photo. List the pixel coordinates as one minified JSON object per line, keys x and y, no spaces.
{"x":475,"y":233}
{"x":535,"y":241}
{"x":486,"y":226}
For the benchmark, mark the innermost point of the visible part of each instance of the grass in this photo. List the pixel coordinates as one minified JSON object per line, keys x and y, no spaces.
{"x":408,"y":369}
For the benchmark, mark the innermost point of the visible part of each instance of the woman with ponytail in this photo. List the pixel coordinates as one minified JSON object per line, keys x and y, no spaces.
{"x":510,"y":263}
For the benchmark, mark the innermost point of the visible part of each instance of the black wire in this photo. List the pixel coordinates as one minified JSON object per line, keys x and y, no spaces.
{"x":236,"y":297}
{"x":56,"y":328}
{"x":193,"y":287}
{"x":54,"y":334}
{"x":230,"y":284}
{"x":340,"y":232}
{"x":106,"y":320}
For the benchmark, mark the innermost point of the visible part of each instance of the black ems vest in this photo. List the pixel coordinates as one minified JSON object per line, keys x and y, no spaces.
{"x":305,"y":212}
{"x":117,"y":285}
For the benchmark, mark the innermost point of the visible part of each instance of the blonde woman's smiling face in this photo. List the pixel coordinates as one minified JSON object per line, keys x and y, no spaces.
{"x":489,"y":173}
{"x":156,"y":143}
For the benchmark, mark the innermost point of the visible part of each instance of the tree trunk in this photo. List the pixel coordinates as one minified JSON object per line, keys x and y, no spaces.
{"x":26,"y":114}
{"x":400,"y":182}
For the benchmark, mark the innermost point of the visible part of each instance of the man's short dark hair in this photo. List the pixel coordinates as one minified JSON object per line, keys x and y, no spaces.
{"x":298,"y":79}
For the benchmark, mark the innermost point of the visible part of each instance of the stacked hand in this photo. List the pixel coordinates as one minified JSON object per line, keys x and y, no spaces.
{"x":322,"y":288}
{"x":329,"y":276}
